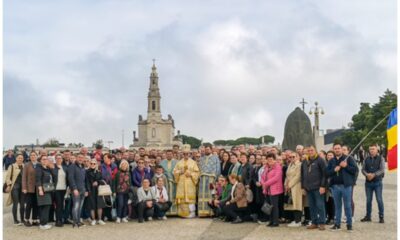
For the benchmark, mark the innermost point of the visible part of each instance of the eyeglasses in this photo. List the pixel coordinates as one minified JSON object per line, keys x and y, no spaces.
{"x":292,"y":156}
{"x":93,"y":164}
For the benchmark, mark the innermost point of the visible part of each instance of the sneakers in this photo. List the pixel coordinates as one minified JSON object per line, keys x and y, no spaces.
{"x":366,"y":219}
{"x":45,"y":227}
{"x":164,"y":218}
{"x":312,"y":226}
{"x":237,"y":220}
{"x":294,"y":224}
{"x":125,"y":220}
{"x":335,"y":228}
{"x":381,"y":220}
{"x":149,"y":219}
{"x":93,"y":222}
{"x":100,"y":222}
{"x":17,"y":223}
{"x":118,"y":220}
{"x":349,"y":228}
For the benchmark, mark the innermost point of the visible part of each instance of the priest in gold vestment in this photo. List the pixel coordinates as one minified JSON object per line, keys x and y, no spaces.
{"x":186,"y":173}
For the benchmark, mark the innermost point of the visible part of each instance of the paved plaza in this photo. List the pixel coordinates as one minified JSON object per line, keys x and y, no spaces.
{"x":175,"y":228}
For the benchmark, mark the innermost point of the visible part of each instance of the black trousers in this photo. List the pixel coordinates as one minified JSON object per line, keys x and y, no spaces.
{"x":274,"y":201}
{"x":44,"y":214}
{"x":297,"y":216}
{"x":307,"y":215}
{"x":330,"y":209}
{"x":18,"y":198}
{"x":31,"y":206}
{"x":232,"y":211}
{"x":144,"y":211}
{"x":59,"y":200}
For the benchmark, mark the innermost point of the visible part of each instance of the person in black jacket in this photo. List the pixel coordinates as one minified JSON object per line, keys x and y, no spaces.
{"x":46,"y":180}
{"x":60,"y":189}
{"x":246,"y":171}
{"x":313,"y":180}
{"x":225,"y":164}
{"x":78,"y":187}
{"x":342,"y":170}
{"x":374,"y":170}
{"x":95,"y":202}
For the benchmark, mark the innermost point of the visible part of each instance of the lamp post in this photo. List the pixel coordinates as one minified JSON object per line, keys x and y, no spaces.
{"x":109,"y":145}
{"x":317,"y":110}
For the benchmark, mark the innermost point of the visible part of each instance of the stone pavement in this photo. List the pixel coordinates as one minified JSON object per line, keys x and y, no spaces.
{"x":175,"y":228}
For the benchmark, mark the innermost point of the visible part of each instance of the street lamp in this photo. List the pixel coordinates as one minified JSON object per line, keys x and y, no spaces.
{"x":316,"y":111}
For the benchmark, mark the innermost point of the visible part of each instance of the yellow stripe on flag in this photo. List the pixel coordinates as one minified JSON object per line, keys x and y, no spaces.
{"x":392,"y":137}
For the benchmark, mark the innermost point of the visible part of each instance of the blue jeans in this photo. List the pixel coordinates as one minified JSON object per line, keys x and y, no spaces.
{"x":316,"y":202}
{"x":340,"y":192}
{"x":77,"y":204}
{"x":370,"y":187}
{"x":122,"y":205}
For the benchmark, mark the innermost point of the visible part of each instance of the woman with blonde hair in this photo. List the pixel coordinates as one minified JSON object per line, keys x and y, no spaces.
{"x":94,"y":201}
{"x":293,"y":189}
{"x":14,"y":188}
{"x":121,"y":186}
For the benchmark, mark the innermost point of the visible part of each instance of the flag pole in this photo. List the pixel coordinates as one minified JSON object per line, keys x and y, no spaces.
{"x":362,"y":140}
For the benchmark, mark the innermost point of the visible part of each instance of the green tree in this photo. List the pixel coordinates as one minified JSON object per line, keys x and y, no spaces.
{"x":366,"y":119}
{"x":192,"y":141}
{"x":245,"y":140}
{"x":52,"y":142}
{"x":99,"y":142}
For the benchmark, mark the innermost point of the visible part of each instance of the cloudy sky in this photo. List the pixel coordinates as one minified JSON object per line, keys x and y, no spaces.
{"x":79,"y":70}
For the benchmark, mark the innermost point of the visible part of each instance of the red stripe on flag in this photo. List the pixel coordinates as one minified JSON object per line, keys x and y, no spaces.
{"x":392,"y":158}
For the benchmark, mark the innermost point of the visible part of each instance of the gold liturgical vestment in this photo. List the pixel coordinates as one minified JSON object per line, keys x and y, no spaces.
{"x":186,"y":185}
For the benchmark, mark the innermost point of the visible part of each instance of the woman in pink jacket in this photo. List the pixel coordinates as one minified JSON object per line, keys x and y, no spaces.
{"x":271,"y":182}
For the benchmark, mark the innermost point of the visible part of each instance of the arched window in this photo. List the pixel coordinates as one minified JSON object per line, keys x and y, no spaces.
{"x":153,"y":105}
{"x":153,"y":133}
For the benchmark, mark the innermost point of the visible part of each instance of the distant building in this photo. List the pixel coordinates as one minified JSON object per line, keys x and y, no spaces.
{"x":155,"y":132}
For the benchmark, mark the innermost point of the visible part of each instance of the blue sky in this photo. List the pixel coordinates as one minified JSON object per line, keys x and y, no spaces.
{"x":79,"y":70}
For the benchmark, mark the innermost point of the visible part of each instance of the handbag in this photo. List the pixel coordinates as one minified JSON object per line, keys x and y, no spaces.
{"x":287,"y":199}
{"x":104,"y":190}
{"x":48,"y":187}
{"x":7,"y":187}
{"x":266,"y":208}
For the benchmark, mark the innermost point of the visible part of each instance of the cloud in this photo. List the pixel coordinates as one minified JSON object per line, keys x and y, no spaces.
{"x":80,"y":71}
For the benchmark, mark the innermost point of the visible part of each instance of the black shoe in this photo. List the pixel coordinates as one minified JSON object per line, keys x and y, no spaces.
{"x":381,"y":220}
{"x":273,"y":225}
{"x":335,"y":228}
{"x":17,"y":223}
{"x":349,"y":228}
{"x":237,"y":220}
{"x":141,"y":220}
{"x":59,"y":224}
{"x":35,"y":224}
{"x":254,"y":217}
{"x":305,"y":222}
{"x":366,"y":219}
{"x":329,"y":222}
{"x":27,"y":223}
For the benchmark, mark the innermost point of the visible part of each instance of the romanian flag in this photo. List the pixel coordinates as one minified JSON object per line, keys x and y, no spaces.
{"x":392,"y":140}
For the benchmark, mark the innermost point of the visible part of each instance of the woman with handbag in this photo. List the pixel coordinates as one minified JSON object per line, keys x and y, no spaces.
{"x":293,"y":189}
{"x":162,"y":203}
{"x":13,"y":186}
{"x":94,"y":201}
{"x":121,"y":186}
{"x":273,"y":187}
{"x":45,"y":183}
{"x":237,"y":202}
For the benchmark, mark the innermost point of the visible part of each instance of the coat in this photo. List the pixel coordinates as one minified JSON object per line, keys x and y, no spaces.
{"x":15,"y":172}
{"x":45,"y":175}
{"x":239,"y":196}
{"x":29,"y":177}
{"x":271,"y":180}
{"x":293,"y":181}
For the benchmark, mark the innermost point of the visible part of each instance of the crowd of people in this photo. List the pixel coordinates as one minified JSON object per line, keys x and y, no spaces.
{"x":265,"y":185}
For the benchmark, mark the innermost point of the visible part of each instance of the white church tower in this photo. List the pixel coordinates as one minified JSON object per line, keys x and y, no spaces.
{"x":155,"y":132}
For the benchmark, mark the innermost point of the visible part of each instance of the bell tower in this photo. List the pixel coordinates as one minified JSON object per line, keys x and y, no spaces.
{"x":154,"y":97}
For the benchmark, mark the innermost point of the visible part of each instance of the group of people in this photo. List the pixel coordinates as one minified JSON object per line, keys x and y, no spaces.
{"x":264,"y":185}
